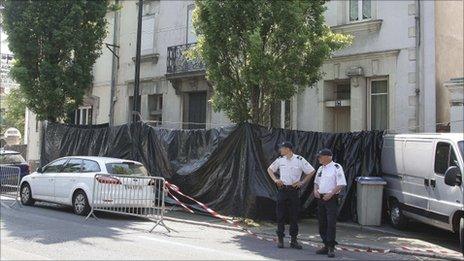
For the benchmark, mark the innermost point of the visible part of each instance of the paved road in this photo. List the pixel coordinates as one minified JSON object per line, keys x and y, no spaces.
{"x":52,"y":232}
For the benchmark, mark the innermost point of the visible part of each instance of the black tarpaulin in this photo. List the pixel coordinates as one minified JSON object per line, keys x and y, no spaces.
{"x":225,"y":168}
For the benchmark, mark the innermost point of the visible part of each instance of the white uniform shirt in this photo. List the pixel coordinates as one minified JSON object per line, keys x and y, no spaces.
{"x":329,"y":176}
{"x":290,"y":169}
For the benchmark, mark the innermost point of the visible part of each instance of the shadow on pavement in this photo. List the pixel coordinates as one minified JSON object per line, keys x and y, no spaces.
{"x":54,"y":224}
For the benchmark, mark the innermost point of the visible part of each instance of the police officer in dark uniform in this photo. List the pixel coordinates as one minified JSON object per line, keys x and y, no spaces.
{"x":329,"y":181}
{"x":290,"y":166}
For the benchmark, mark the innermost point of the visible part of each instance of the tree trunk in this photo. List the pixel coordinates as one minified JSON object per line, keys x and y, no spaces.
{"x":255,"y":108}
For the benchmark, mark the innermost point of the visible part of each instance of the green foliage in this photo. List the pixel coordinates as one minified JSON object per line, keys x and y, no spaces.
{"x":15,"y":110}
{"x":55,"y":44}
{"x":259,"y":51}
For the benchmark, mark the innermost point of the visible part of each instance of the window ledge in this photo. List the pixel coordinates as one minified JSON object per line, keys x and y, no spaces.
{"x":369,"y":26}
{"x":152,"y":57}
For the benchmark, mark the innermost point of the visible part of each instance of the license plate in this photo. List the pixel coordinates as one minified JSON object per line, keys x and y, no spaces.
{"x":138,"y":187}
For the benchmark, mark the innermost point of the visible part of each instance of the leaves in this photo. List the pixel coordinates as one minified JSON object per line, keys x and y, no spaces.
{"x":55,"y":44}
{"x":14,"y":115}
{"x":257,"y":52}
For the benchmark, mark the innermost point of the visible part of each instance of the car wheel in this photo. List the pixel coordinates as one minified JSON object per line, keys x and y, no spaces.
{"x":26,"y":195}
{"x":397,"y":219}
{"x":81,"y":203}
{"x":461,"y":235}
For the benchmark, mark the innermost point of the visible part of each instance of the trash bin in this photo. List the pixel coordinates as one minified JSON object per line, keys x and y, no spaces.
{"x":369,"y":200}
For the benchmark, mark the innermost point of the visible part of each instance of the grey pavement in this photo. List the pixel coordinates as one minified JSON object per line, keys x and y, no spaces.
{"x":48,"y":231}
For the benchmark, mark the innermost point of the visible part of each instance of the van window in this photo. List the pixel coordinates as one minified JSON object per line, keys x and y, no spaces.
{"x":444,"y":157}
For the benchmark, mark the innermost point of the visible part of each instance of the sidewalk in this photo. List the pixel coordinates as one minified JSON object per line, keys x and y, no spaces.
{"x":417,"y":240}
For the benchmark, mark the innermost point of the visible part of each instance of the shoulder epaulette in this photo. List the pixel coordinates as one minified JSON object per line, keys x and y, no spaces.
{"x":337,"y":165}
{"x":299,"y":157}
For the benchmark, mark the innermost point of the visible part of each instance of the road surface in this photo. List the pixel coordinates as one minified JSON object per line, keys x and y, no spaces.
{"x":47,"y":231}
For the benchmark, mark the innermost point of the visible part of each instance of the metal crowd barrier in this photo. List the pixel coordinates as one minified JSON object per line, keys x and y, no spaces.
{"x":139,"y":196}
{"x":10,"y":178}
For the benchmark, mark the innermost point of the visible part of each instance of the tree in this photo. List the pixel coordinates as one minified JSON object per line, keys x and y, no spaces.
{"x":14,"y":114}
{"x":258,"y":51}
{"x":55,"y":44}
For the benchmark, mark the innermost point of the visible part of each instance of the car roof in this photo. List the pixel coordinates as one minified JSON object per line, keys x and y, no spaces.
{"x":4,"y":152}
{"x":103,"y":160}
{"x":450,"y":136}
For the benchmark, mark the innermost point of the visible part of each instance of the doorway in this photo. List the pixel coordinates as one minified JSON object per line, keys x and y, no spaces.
{"x":196,"y":114}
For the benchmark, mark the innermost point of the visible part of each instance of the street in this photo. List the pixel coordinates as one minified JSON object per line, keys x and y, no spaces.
{"x":48,"y":231}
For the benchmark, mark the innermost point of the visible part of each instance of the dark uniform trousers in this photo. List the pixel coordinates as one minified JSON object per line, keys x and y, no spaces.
{"x":327,"y":212}
{"x":288,"y":201}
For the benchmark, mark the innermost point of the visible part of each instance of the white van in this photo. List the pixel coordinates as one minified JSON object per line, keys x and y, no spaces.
{"x":424,"y":179}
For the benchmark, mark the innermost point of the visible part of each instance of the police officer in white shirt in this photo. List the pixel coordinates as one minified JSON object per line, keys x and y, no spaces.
{"x":329,"y":181}
{"x":290,"y":166}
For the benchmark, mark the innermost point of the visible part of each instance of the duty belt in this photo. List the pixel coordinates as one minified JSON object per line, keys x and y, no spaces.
{"x":288,"y":187}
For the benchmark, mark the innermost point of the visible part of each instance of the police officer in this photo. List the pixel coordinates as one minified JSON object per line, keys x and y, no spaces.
{"x":329,"y":181}
{"x":290,"y":167}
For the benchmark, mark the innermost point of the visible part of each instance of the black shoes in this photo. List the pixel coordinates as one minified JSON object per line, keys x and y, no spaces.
{"x":294,"y":244}
{"x":323,"y":251}
{"x":331,"y":252}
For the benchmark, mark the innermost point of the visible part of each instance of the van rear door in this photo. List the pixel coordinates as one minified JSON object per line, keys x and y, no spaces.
{"x":445,"y":200}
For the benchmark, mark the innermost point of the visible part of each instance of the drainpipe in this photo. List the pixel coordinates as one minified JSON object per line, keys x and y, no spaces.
{"x":114,"y":65}
{"x":418,"y":72}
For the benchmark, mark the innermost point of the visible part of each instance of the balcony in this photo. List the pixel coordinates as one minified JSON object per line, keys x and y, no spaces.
{"x":179,"y":66}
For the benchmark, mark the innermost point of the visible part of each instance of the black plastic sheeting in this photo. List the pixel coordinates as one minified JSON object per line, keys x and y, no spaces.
{"x":226,"y":168}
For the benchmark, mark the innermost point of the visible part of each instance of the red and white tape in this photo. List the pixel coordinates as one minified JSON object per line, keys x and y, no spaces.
{"x":431,"y":251}
{"x":312,"y":244}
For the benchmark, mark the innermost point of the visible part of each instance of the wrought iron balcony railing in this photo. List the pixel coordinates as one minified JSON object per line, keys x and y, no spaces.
{"x":178,"y":63}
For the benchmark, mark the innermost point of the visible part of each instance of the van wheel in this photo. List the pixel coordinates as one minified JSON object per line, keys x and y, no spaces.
{"x":397,"y":219}
{"x":26,"y":195}
{"x":461,"y":235}
{"x":80,"y":203}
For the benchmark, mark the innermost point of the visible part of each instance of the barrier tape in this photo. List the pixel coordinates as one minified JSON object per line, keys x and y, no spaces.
{"x":235,"y":224}
{"x":438,"y":252}
{"x":312,"y":244}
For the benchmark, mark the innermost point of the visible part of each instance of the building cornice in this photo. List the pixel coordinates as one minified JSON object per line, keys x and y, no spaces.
{"x":362,"y":56}
{"x":369,"y":26}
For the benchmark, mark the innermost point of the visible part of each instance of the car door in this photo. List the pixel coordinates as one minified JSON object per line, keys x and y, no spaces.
{"x":444,"y":200}
{"x":65,"y":180}
{"x":43,"y":185}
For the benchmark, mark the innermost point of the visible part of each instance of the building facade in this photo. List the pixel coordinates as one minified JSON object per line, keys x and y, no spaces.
{"x":391,"y":77}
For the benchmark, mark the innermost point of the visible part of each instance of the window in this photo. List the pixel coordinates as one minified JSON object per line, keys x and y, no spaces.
{"x":342,"y":92}
{"x":444,"y":157}
{"x":191,"y":35}
{"x":90,"y":166}
{"x":55,"y":166}
{"x":126,"y":168}
{"x":278,"y":110}
{"x":155,"y":108}
{"x":360,"y":10}
{"x":461,"y":148}
{"x":378,"y":104}
{"x":73,"y":166}
{"x":83,"y":115}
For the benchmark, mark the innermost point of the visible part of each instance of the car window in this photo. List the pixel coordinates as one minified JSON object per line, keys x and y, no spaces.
{"x":11,"y":159}
{"x":126,"y":168}
{"x":55,"y":166}
{"x":73,"y":165}
{"x":461,"y":148}
{"x":90,"y":166}
{"x":444,"y":157}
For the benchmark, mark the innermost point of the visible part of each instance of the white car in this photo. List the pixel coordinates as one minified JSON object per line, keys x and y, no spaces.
{"x":70,"y":181}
